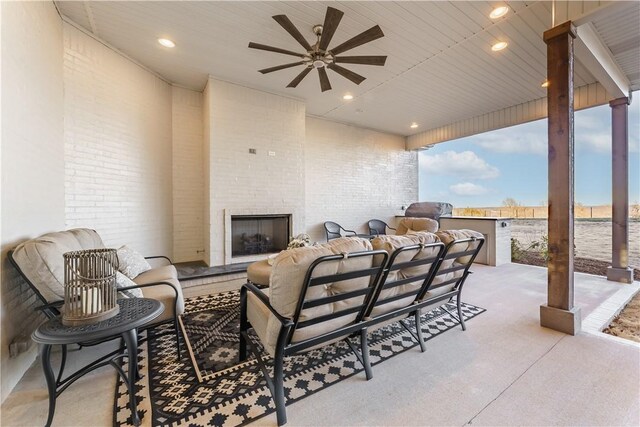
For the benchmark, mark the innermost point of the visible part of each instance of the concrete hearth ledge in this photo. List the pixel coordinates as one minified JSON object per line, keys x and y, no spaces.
{"x":567,"y":321}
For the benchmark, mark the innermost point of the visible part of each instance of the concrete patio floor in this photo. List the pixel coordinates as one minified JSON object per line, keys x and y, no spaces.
{"x":504,"y":370}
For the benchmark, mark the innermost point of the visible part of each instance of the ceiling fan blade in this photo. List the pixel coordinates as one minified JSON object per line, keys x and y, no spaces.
{"x":280,"y":67}
{"x":295,"y":82}
{"x":324,"y":79}
{"x":371,"y":34}
{"x":331,"y":21}
{"x":291,"y":29}
{"x":364,"y":60}
{"x":348,"y":74}
{"x":259,"y":46}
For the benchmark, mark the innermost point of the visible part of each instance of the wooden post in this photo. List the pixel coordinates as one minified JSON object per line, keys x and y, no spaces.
{"x":559,"y":312}
{"x":619,"y":270}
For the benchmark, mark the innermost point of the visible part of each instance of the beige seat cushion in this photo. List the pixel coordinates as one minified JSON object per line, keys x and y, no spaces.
{"x":416,"y":224}
{"x":163,"y":293}
{"x":392,"y":243}
{"x":287,"y":277}
{"x":41,"y":259}
{"x":447,"y":237}
{"x":258,"y":314}
{"x":259,"y":272}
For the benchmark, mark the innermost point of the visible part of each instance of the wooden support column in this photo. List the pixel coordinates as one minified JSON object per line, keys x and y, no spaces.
{"x":559,"y":312}
{"x":619,"y":270}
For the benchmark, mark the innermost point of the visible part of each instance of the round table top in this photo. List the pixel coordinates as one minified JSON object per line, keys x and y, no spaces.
{"x":134,"y":312}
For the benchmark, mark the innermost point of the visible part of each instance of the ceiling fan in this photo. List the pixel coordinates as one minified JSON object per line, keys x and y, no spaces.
{"x":319,"y":56}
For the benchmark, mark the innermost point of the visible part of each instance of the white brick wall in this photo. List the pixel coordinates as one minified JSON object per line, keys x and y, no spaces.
{"x":117,"y":147}
{"x":32,"y":195}
{"x":188,"y":185}
{"x":354,"y":175}
{"x":240,"y":119}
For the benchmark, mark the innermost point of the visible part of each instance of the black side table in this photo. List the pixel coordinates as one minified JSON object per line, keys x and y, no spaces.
{"x":134,"y":312}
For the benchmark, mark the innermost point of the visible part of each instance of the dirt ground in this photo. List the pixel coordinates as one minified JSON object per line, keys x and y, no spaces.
{"x":581,"y":265}
{"x":627,"y":323}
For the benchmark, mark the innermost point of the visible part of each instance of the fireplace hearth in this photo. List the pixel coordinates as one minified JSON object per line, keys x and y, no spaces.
{"x":259,"y":234}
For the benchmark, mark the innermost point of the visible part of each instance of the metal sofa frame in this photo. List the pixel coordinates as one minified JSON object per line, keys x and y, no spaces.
{"x":284,"y":346}
{"x":444,"y":253}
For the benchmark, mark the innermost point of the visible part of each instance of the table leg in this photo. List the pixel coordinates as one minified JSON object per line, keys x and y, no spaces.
{"x":45,"y":359}
{"x":131,"y":339}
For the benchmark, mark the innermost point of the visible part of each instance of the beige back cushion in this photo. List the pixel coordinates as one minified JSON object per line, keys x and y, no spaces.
{"x":416,"y":224}
{"x":287,"y":279}
{"x":448,"y":236}
{"x":390,"y":244}
{"x":41,"y":259}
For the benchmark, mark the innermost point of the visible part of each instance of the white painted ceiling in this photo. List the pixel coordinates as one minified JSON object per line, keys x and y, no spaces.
{"x":440,"y":66}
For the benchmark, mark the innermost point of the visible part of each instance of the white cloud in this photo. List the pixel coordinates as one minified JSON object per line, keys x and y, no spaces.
{"x":468,"y":189}
{"x":599,"y":142}
{"x":517,"y":143}
{"x":465,"y":164}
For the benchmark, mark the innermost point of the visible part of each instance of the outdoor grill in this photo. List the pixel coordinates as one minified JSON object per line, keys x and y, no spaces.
{"x":433,"y":210}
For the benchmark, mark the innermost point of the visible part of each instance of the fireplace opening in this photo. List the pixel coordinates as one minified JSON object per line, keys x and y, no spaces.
{"x":259,"y":234}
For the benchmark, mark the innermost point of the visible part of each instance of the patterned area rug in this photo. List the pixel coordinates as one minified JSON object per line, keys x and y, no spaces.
{"x":206,"y":388}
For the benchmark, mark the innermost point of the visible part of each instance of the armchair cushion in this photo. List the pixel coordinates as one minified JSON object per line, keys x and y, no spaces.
{"x":163,"y":293}
{"x":416,"y":224}
{"x":41,"y":259}
{"x":259,"y":272}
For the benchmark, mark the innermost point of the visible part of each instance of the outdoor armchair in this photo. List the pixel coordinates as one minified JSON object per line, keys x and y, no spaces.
{"x":378,"y":227}
{"x":40,"y":262}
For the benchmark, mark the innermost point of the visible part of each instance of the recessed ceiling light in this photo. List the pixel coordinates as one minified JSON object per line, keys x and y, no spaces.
{"x":414,"y":125}
{"x":545,"y":83}
{"x":499,"y":46}
{"x":499,"y":12}
{"x":166,"y":43}
{"x":347,"y":97}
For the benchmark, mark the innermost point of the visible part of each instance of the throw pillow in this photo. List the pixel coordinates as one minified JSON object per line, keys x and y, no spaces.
{"x":123,"y":281}
{"x":410,"y":231}
{"x":131,"y":263}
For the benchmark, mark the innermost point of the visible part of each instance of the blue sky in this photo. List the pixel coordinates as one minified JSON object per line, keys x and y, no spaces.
{"x":483,"y":170}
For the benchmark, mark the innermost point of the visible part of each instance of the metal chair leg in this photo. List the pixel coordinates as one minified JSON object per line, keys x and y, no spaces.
{"x":177,"y":327}
{"x":460,"y":316}
{"x":423,"y":346}
{"x":244,"y":325}
{"x":278,"y":395}
{"x":364,"y":349}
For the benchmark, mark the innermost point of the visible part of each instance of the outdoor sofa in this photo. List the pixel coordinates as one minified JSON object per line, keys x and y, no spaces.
{"x":343,"y":288}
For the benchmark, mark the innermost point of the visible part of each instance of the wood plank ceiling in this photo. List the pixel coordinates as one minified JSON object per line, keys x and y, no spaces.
{"x":440,"y":66}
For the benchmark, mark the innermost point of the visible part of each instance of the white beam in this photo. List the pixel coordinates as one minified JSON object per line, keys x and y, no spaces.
{"x":594,"y":54}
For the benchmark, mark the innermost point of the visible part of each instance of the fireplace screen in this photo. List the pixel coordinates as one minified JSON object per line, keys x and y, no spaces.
{"x":259,"y":234}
